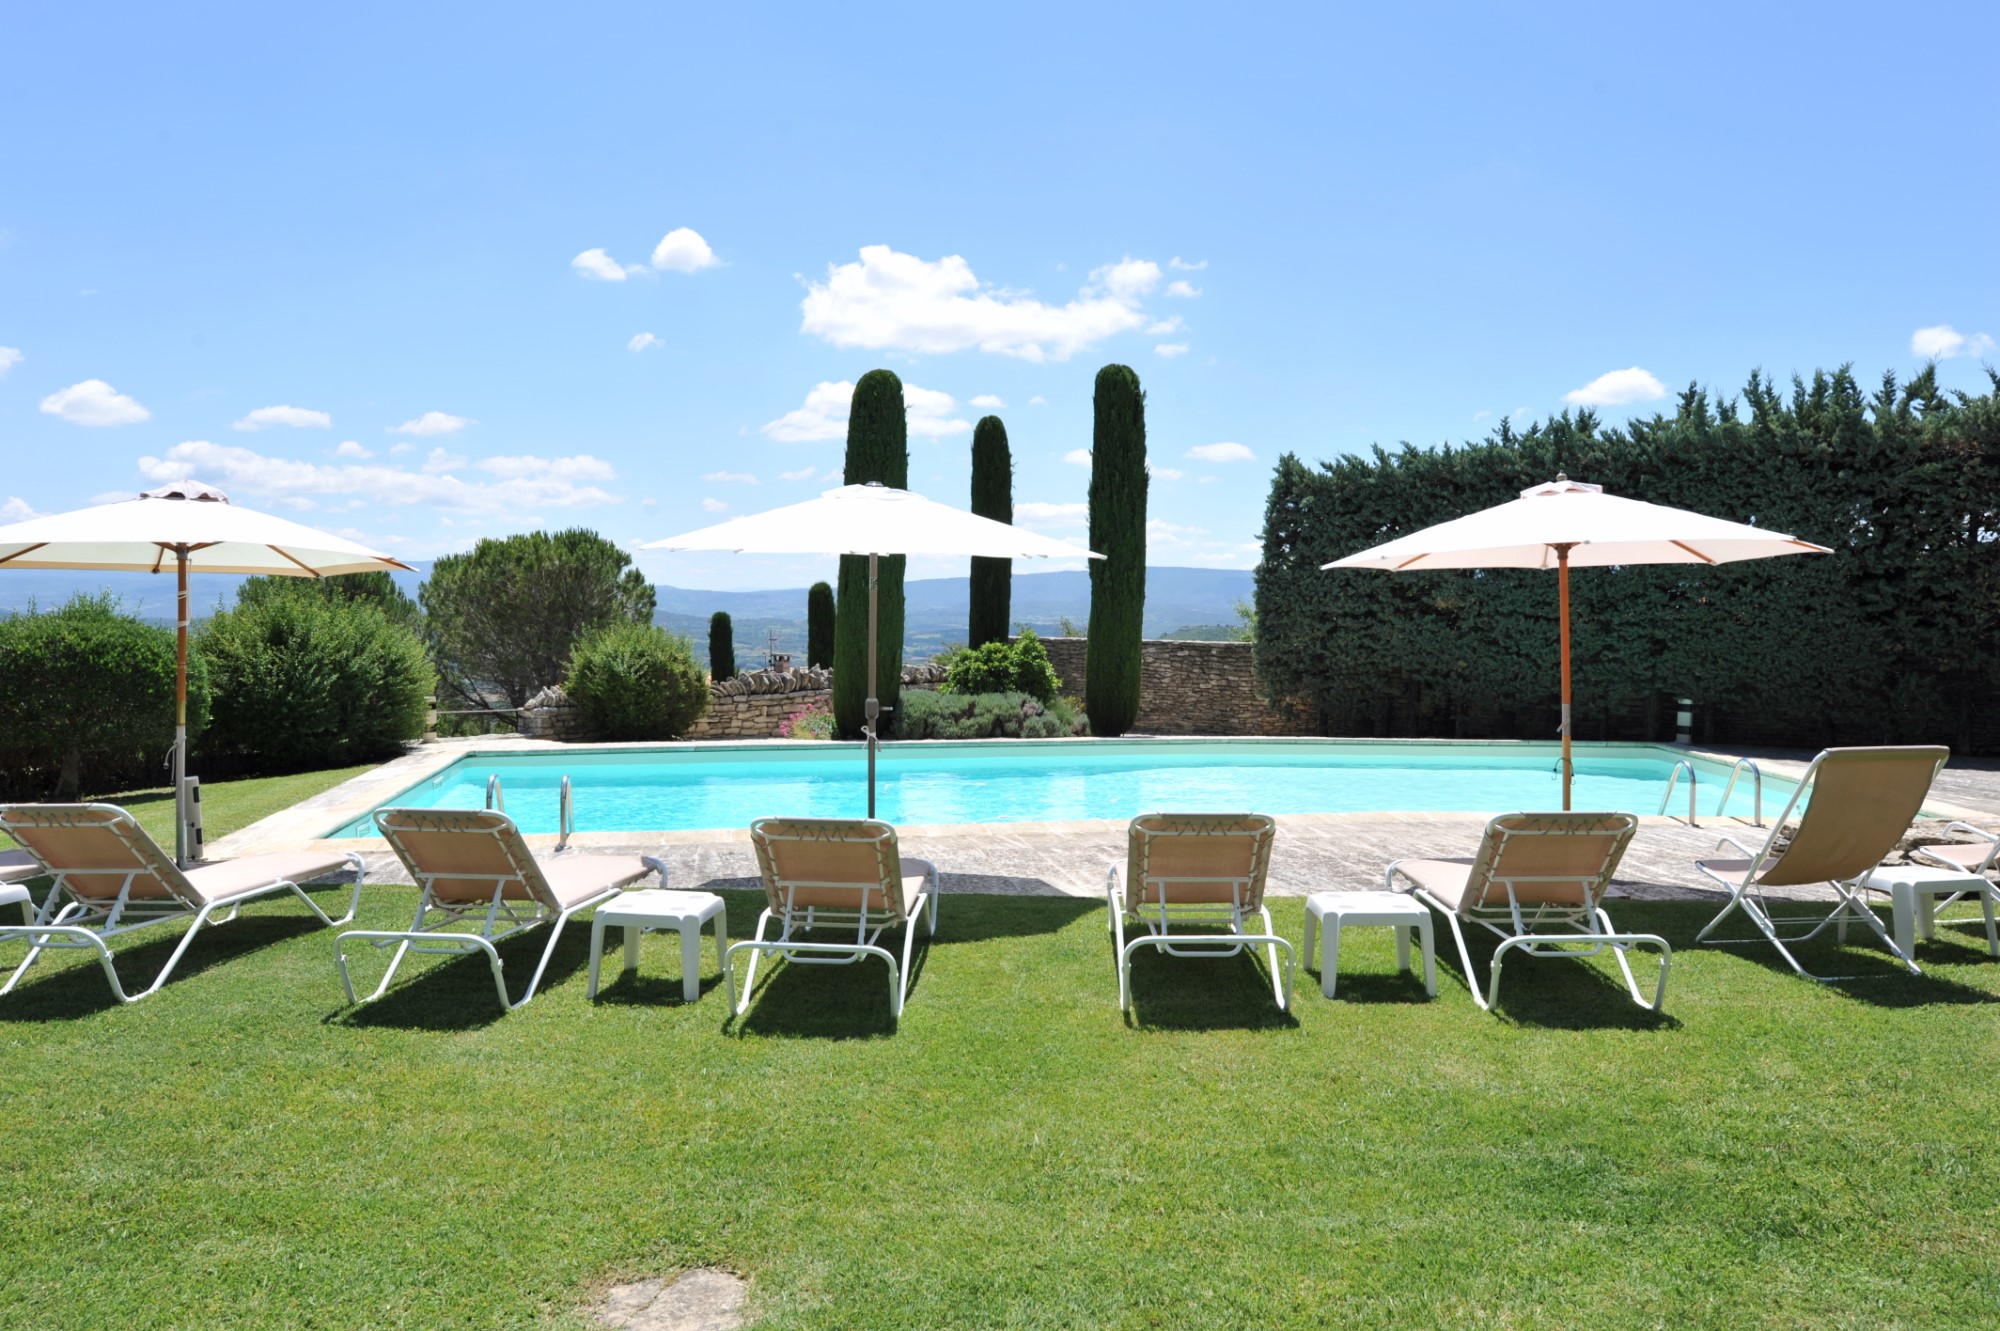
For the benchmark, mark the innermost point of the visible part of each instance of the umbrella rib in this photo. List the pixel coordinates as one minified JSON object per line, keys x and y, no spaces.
{"x":24,"y":550}
{"x":310,"y":570}
{"x":1691,"y":550}
{"x":1411,"y":560}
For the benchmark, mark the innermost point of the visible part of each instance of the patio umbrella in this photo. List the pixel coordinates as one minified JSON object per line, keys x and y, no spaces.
{"x":192,"y":528}
{"x":1568,"y":523}
{"x":872,"y":520}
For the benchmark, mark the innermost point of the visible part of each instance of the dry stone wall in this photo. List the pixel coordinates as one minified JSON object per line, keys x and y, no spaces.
{"x":753,"y":705}
{"x":1191,"y":688}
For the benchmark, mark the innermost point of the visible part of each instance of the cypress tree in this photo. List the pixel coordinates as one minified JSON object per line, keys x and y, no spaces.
{"x":819,"y":625}
{"x":878,"y":449}
{"x":721,"y":646}
{"x":1118,"y":532}
{"x":992,"y":497}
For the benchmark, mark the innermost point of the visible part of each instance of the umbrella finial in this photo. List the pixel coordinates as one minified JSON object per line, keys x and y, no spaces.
{"x":187,"y":490}
{"x":1562,"y":478}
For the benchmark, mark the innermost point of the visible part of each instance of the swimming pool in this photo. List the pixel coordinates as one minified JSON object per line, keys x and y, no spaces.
{"x":688,"y":788}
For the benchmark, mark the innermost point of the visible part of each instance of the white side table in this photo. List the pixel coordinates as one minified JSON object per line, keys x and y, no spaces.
{"x":658,"y":908}
{"x":1335,"y":911}
{"x":13,"y":894}
{"x":1913,"y":893}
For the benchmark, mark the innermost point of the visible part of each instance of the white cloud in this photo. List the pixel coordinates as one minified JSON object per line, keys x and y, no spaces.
{"x":17,"y":509}
{"x":1183,"y":290}
{"x":1037,"y":514}
{"x":351,"y":448}
{"x":1207,"y":480}
{"x":400,"y":447}
{"x":433,"y":423}
{"x":519,"y":485}
{"x":1077,"y":457}
{"x":598,"y":266}
{"x":684,"y":251}
{"x":9,"y":358}
{"x":640,"y":341}
{"x":988,"y":402}
{"x":1038,"y":401}
{"x":1164,"y":535}
{"x":1171,"y":349}
{"x":1221,"y":453}
{"x":736,"y":477}
{"x":824,"y":415}
{"x":1616,"y":389}
{"x":94,"y":402}
{"x":297,"y":418}
{"x":713,"y":505}
{"x":802,"y":474}
{"x":1180,"y":265}
{"x":1164,"y":326}
{"x":1480,"y":415}
{"x":649,"y":502}
{"x":895,"y":301}
{"x":1165,"y":473}
{"x":1938,"y":342}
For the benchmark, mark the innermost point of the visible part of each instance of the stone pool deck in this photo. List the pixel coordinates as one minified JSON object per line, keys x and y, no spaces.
{"x":1315,"y":852}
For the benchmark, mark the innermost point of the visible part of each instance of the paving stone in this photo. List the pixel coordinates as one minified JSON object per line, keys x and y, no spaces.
{"x":700,"y":1300}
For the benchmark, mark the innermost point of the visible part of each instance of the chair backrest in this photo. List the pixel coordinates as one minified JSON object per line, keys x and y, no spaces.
{"x":1547,"y":859}
{"x":462,"y":854}
{"x":830,"y":864}
{"x":1198,"y":859}
{"x":94,"y":847}
{"x":1862,"y":804}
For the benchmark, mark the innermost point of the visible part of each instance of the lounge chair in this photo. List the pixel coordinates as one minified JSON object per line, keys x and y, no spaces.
{"x":112,"y":879}
{"x":843,"y":875}
{"x":472,"y":865}
{"x":1863,"y":802}
{"x":1537,"y":884}
{"x":1187,"y":883}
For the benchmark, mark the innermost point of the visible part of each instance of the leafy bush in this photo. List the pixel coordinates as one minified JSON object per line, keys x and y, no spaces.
{"x":1022,"y":666}
{"x":303,"y":679}
{"x":1008,"y":715}
{"x":637,"y":681}
{"x":87,"y":699}
{"x":813,"y":721}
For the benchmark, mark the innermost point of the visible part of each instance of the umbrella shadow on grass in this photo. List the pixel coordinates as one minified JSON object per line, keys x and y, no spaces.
{"x":456,"y":993}
{"x":1204,"y":993}
{"x":67,"y":992}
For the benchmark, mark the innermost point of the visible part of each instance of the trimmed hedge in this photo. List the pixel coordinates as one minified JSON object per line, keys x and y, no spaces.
{"x":637,"y":681}
{"x":1118,"y":532}
{"x":1890,"y":639}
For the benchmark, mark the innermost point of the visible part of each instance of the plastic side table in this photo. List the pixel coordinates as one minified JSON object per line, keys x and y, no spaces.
{"x":1338,"y":910}
{"x":657,"y":908}
{"x":13,"y":894}
{"x":1913,"y":892}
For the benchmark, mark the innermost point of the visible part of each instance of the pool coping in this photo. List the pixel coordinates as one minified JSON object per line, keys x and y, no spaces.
{"x":305,"y":824}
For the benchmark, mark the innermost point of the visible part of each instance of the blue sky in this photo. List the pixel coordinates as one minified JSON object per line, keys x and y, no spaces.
{"x":1308,"y":230}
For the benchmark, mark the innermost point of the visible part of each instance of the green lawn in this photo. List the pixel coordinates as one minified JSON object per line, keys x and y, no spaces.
{"x":243,"y":1150}
{"x":225,"y":805}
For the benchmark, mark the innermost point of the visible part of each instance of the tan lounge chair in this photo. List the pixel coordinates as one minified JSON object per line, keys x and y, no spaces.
{"x":1538,"y":884}
{"x":1863,"y":802}
{"x":842,"y":875}
{"x":112,"y":879}
{"x":471,"y":864}
{"x":1187,"y":883}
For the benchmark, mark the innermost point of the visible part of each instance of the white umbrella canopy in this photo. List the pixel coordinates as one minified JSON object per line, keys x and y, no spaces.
{"x":1568,"y":523}
{"x":872,"y":520}
{"x":190,"y":528}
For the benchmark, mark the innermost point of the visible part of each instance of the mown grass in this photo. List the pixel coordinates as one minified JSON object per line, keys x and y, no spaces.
{"x":225,"y":805}
{"x":243,"y":1150}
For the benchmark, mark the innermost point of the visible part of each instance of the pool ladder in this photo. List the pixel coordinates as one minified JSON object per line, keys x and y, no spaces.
{"x":1721,"y":805}
{"x":1682,"y":766}
{"x":496,"y":800}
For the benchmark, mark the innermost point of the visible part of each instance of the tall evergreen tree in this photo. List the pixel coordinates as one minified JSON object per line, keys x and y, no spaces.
{"x":878,"y":449}
{"x":992,"y":497}
{"x":819,"y":625}
{"x":1118,"y":532}
{"x":721,"y":646}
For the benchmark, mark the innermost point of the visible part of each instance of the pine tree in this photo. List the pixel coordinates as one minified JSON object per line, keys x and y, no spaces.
{"x":819,"y":625}
{"x":878,"y":449}
{"x":1118,"y":532}
{"x":992,"y":497}
{"x":721,"y":646}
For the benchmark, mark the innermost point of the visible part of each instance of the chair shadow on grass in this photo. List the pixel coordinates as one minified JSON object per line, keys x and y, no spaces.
{"x":1562,"y":993}
{"x":1203,"y":993}
{"x":1859,"y":968}
{"x":433,"y":993}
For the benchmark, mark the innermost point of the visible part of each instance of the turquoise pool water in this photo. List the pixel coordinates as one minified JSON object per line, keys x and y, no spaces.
{"x":679,"y":788}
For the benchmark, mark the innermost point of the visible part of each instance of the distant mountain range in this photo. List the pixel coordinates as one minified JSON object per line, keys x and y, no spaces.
{"x":934,"y":608}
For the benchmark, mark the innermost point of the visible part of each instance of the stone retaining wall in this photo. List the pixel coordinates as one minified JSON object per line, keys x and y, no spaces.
{"x":1191,"y":688}
{"x":753,"y":705}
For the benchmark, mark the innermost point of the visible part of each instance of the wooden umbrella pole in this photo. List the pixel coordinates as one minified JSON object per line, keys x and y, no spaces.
{"x":872,"y":708}
{"x":181,"y":711}
{"x":1562,"y":599}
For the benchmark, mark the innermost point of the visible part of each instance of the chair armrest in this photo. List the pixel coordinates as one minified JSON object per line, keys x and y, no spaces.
{"x":1734,"y":844}
{"x":1969,"y":830}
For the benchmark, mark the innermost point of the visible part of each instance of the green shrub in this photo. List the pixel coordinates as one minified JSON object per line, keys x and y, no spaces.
{"x":721,"y":646}
{"x":637,"y":681}
{"x":1004,"y":715}
{"x":1118,"y":532}
{"x":1022,"y":666}
{"x":812,"y":721}
{"x":878,"y":449}
{"x":991,"y":589}
{"x":819,"y":625}
{"x":302,"y":679}
{"x":87,"y":700}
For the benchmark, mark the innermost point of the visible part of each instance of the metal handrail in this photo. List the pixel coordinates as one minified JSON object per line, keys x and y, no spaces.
{"x":1756,"y":789}
{"x":495,"y":797}
{"x":565,"y":813}
{"x":1675,"y":776}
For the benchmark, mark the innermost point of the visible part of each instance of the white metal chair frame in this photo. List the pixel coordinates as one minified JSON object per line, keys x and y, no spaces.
{"x":1985,"y":866}
{"x":427,"y":934}
{"x":68,"y":920}
{"x":793,"y":920}
{"x":1545,"y":928}
{"x":1748,"y":897}
{"x":1157,"y":919}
